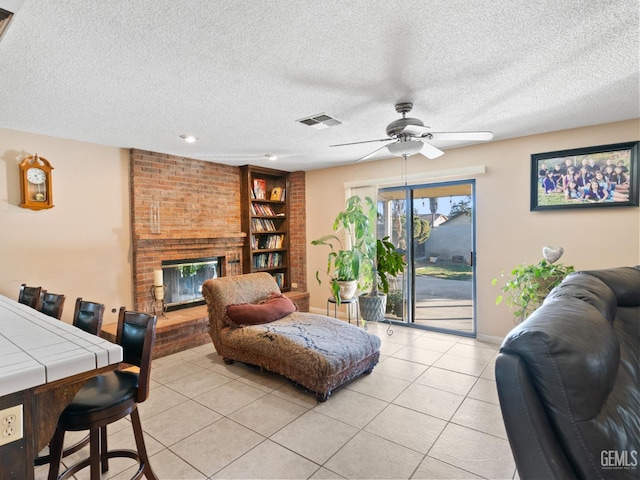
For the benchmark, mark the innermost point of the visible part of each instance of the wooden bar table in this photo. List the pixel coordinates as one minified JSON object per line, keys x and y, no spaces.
{"x":43,"y":364}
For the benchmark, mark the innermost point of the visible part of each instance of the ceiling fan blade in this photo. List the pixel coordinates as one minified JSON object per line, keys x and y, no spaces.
{"x":369,"y":155}
{"x":366,"y":141}
{"x":430,"y":151}
{"x":459,"y":136}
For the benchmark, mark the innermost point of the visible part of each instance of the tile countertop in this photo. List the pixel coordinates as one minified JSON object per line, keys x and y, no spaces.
{"x":36,"y":349}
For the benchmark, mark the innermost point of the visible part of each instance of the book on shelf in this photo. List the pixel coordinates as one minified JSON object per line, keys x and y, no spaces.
{"x":268,"y":260}
{"x":262,"y":209}
{"x":260,"y":188}
{"x":279,"y":278}
{"x":277,"y":194}
{"x":268,"y":242}
{"x":263,"y":225}
{"x":277,"y":241}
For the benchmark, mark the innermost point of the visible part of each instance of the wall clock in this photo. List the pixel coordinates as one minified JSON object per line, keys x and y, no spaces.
{"x":35,"y":183}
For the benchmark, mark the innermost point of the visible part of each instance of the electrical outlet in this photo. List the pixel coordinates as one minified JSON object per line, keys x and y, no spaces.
{"x":10,"y":424}
{"x":294,"y":285}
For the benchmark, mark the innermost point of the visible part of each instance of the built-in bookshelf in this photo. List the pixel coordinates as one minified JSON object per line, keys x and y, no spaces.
{"x":265,"y":219}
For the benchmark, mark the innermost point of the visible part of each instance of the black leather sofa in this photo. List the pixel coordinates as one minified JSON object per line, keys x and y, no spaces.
{"x":568,"y":380}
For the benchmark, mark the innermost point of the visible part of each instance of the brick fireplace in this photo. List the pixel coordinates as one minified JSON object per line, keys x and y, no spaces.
{"x":150,"y":254}
{"x":183,"y":208}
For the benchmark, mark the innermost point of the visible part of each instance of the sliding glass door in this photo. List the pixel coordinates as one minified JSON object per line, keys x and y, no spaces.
{"x":433,"y":225}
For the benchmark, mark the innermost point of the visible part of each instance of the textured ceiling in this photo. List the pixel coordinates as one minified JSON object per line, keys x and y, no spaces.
{"x":238,"y":74}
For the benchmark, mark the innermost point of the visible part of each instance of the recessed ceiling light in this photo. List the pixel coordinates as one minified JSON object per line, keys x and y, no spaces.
{"x":271,"y":156}
{"x":188,"y":138}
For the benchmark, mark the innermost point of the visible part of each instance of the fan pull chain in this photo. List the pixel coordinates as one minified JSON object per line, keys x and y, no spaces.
{"x":404,"y":170}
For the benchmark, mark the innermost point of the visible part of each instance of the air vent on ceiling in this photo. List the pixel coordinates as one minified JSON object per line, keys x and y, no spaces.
{"x":5,"y":18}
{"x":320,"y":121}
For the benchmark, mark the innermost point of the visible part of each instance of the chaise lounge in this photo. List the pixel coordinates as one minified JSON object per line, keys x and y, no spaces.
{"x":250,"y":321}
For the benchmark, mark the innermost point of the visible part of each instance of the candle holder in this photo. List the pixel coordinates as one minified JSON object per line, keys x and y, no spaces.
{"x":158,"y":307}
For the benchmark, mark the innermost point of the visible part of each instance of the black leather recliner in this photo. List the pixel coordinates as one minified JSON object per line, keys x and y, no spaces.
{"x":568,"y":380}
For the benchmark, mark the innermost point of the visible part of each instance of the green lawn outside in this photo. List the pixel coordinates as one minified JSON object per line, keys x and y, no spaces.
{"x":447,"y":271}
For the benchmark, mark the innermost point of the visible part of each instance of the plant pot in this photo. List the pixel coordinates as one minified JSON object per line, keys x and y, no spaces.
{"x":347,"y":289}
{"x":372,"y":308}
{"x":433,"y":259}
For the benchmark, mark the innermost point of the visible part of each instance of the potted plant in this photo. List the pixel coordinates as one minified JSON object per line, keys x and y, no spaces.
{"x":346,"y":262}
{"x":530,"y":285}
{"x":388,"y":263}
{"x":395,"y":303}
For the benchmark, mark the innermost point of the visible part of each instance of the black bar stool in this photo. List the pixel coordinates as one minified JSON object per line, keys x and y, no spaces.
{"x":107,"y":398}
{"x":52,"y":304}
{"x":30,"y":296}
{"x":88,"y":317}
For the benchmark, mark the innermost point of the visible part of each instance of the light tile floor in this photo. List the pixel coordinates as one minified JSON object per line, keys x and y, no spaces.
{"x":429,"y":410}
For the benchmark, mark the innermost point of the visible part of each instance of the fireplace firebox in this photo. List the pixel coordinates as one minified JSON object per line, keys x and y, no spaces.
{"x":183,"y":280}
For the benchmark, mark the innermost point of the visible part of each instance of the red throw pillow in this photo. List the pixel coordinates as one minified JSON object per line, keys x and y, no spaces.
{"x":274,"y":307}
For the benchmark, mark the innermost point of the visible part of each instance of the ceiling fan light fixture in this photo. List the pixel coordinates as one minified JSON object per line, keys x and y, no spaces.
{"x":409,"y":136}
{"x":271,"y":156}
{"x":405,"y":147}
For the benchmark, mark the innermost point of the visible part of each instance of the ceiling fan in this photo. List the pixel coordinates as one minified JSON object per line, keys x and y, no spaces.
{"x":408,"y":136}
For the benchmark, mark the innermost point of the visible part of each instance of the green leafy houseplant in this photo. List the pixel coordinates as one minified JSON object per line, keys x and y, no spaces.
{"x":530,"y":285}
{"x":388,"y":264}
{"x":347,"y":263}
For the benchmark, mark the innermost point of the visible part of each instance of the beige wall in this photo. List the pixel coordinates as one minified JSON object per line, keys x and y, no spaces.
{"x":507,"y":233}
{"x":81,"y":247}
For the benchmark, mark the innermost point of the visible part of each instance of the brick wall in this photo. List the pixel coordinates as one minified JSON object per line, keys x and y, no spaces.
{"x":298,"y":229}
{"x":198,"y":206}
{"x":197,"y":199}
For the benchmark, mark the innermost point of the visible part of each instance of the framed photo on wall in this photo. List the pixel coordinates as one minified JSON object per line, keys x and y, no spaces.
{"x":589,"y":177}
